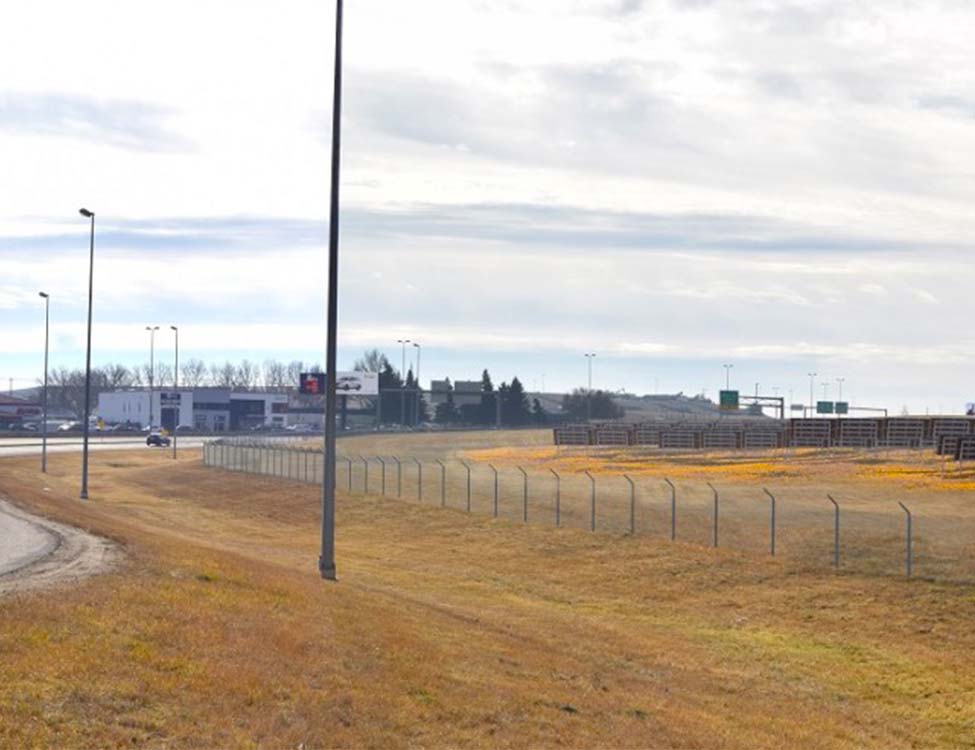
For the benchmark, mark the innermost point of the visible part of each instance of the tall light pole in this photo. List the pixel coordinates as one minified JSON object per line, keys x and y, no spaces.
{"x":812,"y":393}
{"x":727,"y":377}
{"x":326,"y":560}
{"x":402,"y":395}
{"x":419,"y":390}
{"x":91,"y":280}
{"x":589,"y":358}
{"x":840,"y":381}
{"x":47,"y":328}
{"x":179,"y":400}
{"x":152,"y":366}
{"x":825,"y":391}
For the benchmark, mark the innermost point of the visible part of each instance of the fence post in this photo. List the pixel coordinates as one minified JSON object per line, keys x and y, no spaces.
{"x":558,"y":497}
{"x":715,"y":541}
{"x":524,"y":500}
{"x":910,"y":529}
{"x":365,"y":478}
{"x":836,"y":533}
{"x":443,"y":483}
{"x":592,"y":501}
{"x":491,"y":467}
{"x":399,"y":477}
{"x":467,"y":466}
{"x":632,"y":505}
{"x":382,"y":463}
{"x":349,"y":461}
{"x":772,"y":525}
{"x":419,"y":479}
{"x":673,"y":510}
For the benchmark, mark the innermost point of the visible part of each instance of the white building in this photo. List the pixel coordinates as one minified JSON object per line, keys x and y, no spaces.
{"x":205,"y":409}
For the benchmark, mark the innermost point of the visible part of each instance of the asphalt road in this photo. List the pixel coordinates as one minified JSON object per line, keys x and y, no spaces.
{"x":22,"y":541}
{"x":32,"y":446}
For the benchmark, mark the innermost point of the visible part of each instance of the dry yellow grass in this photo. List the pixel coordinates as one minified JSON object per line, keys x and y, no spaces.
{"x":448,"y":630}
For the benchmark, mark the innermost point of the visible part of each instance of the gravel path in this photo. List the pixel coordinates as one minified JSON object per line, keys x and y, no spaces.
{"x":37,"y":553}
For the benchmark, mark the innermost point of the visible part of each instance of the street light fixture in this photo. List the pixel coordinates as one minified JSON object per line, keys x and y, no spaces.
{"x":152,"y":366}
{"x":47,"y":328}
{"x":91,"y":280}
{"x":179,"y":401}
{"x":326,"y":560}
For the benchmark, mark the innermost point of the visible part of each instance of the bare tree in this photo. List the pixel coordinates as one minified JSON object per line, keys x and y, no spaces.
{"x":164,"y":374}
{"x":275,"y":374}
{"x":118,"y":376}
{"x":295,"y":368}
{"x":245,"y":375}
{"x":193,"y":373}
{"x":372,"y":360}
{"x":223,"y":375}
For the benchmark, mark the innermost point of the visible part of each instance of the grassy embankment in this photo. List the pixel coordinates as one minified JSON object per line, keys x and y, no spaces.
{"x":450,"y":629}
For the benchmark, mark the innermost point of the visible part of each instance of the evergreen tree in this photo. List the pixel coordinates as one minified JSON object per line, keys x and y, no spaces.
{"x":600,"y":404}
{"x":489,"y":403}
{"x":446,"y":412}
{"x":390,"y":387}
{"x":515,"y":408}
{"x":539,"y":416}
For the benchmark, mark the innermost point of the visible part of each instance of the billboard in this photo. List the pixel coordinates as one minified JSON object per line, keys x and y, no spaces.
{"x":346,"y":383}
{"x":729,"y":400}
{"x":824,"y":407}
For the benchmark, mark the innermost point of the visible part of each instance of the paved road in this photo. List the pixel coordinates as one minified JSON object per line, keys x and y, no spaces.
{"x":32,"y":446}
{"x":22,"y":541}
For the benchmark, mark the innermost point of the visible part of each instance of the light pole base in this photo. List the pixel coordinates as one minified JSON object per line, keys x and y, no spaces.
{"x":328,"y":571}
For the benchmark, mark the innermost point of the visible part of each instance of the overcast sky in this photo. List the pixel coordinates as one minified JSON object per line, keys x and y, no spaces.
{"x":672,"y":184}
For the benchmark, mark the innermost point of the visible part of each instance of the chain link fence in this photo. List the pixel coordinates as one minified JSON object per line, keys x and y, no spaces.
{"x":809,"y":529}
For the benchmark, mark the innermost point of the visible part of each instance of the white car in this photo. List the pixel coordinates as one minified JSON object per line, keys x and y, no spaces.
{"x":348,"y":383}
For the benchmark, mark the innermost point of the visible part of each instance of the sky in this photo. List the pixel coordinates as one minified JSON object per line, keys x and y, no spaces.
{"x":671,"y":185}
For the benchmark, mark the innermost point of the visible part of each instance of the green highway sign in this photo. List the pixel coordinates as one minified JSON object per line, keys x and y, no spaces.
{"x":729,"y":401}
{"x":842,"y":407}
{"x":824,"y":407}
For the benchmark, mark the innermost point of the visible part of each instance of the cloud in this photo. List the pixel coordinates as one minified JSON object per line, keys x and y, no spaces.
{"x":122,"y":123}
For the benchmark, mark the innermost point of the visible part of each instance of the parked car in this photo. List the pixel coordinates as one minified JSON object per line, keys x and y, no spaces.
{"x":69,"y":426}
{"x":157,"y":438}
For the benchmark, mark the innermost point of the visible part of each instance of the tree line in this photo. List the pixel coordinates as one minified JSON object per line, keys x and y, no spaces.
{"x":402,"y":400}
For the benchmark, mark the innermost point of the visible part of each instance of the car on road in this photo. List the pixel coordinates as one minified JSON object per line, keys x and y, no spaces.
{"x":157,"y":438}
{"x":69,"y":427}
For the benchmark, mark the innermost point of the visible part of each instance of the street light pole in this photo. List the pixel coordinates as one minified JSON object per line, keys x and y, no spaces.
{"x":402,"y":395}
{"x":152,"y":366}
{"x":419,"y":390}
{"x":727,"y":377}
{"x":589,"y":358}
{"x":47,"y":328}
{"x":812,"y":393}
{"x":179,"y":400}
{"x":326,"y":561}
{"x":91,"y":280}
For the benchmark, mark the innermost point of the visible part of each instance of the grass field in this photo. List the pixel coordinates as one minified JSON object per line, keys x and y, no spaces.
{"x":867,"y":484}
{"x":452,"y":629}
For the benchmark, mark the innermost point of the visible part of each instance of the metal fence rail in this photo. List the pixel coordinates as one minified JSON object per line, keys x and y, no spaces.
{"x":797,"y":525}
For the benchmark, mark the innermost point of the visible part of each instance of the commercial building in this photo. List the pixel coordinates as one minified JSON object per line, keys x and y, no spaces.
{"x":17,"y":411}
{"x":204,"y":409}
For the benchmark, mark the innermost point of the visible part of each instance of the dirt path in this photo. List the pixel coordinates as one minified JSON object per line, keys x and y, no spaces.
{"x":38,"y":553}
